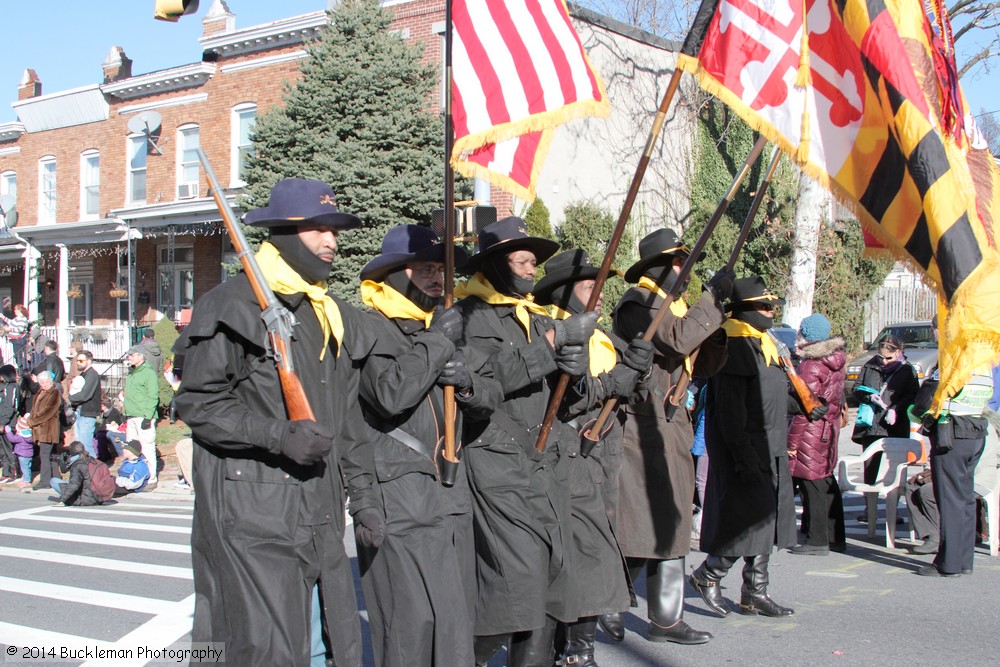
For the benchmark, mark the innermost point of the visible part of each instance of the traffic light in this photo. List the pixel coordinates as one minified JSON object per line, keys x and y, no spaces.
{"x":469,"y":221}
{"x":171,"y":10}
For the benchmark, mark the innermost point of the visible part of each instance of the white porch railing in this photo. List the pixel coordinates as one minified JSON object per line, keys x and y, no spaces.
{"x":106,"y":343}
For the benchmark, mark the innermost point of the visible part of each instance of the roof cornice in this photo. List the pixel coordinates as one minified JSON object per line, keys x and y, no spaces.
{"x":163,"y":81}
{"x":285,"y":32}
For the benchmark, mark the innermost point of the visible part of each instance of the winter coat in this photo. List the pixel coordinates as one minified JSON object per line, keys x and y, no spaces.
{"x":76,"y":491}
{"x":746,"y":424}
{"x":88,"y":398}
{"x":419,"y":585}
{"x":52,"y":363}
{"x":266,"y":528}
{"x":898,"y":388}
{"x":135,"y":471}
{"x":657,"y":482}
{"x":45,"y":413}
{"x":8,"y":403}
{"x":23,"y":444}
{"x":142,"y":392}
{"x":516,"y":502}
{"x":812,"y":445}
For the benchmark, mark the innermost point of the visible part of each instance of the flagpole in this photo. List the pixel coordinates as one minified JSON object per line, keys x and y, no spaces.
{"x":616,"y":237}
{"x":448,"y":466}
{"x":680,"y":389}
{"x":594,"y":433}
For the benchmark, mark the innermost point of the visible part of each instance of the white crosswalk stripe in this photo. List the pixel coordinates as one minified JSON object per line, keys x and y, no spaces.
{"x":112,"y":577}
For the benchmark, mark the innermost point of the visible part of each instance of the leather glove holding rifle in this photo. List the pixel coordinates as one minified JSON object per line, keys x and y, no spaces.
{"x":575,"y":330}
{"x":573,"y":360}
{"x":306,"y":441}
{"x":456,"y":374}
{"x":448,"y":322}
{"x":369,"y":527}
{"x":639,"y":355}
{"x":721,"y":284}
{"x":819,"y":411}
{"x":620,"y":381}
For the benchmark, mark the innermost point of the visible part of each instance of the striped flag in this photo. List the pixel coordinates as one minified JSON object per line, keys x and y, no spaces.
{"x":519,"y":69}
{"x":864,"y":95}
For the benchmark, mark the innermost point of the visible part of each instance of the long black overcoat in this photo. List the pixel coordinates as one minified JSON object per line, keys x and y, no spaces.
{"x":747,"y":415}
{"x":266,"y":529}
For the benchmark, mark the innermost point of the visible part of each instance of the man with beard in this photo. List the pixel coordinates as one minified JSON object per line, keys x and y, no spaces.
{"x":415,"y":542}
{"x":657,"y":485}
{"x":271,"y":576}
{"x":749,"y":502}
{"x":522,"y":568}
{"x":592,"y":492}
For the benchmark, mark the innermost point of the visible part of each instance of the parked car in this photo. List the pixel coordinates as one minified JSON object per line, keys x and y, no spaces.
{"x":919,"y":345}
{"x":787,"y":335}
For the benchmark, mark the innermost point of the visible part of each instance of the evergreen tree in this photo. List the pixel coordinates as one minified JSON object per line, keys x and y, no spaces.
{"x":537,"y":220}
{"x":361,"y":119}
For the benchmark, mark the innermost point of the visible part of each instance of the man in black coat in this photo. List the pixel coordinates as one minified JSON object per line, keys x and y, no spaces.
{"x":271,"y":576}
{"x":414,"y":532}
{"x":523,"y":570}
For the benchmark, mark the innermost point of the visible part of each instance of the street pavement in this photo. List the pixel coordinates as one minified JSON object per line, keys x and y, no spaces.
{"x":119,"y":576}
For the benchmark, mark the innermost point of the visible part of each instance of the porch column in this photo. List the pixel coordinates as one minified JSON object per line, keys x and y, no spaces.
{"x":62,"y":321}
{"x":31,"y":256}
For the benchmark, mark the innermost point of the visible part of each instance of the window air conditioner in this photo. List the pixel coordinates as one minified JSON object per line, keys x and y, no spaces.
{"x":187,"y":190}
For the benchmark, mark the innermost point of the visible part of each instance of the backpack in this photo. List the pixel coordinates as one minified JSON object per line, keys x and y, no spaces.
{"x":101,"y":481}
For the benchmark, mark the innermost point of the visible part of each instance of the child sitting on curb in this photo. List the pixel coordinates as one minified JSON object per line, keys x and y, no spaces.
{"x":133,"y":473}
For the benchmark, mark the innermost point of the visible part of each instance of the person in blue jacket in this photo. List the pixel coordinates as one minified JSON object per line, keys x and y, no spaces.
{"x":133,"y":473}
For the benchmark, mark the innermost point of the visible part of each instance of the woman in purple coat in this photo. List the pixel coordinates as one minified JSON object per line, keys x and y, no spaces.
{"x":812,"y":445}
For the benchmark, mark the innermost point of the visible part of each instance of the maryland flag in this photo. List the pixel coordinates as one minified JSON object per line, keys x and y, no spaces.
{"x":518,"y":71}
{"x":865,"y":96}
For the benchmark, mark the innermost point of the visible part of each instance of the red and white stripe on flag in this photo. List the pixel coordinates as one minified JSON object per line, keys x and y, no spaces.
{"x":519,"y":69}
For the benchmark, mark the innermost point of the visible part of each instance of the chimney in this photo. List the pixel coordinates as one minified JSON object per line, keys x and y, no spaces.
{"x":218,"y":19}
{"x":30,"y":86}
{"x":117,"y":65}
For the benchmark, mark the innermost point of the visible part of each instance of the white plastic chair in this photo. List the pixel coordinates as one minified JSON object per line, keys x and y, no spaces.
{"x":987,"y":481}
{"x":897,"y":455}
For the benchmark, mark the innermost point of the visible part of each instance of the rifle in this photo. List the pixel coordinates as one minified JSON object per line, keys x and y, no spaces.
{"x":278,"y":319}
{"x":806,"y":395}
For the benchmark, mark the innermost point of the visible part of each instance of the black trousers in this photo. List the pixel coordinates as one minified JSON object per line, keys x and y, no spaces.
{"x":952,"y":475}
{"x":823,"y":504}
{"x":923,"y":509}
{"x":46,"y":467}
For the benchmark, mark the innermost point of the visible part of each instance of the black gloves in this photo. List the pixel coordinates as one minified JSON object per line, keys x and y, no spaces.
{"x":622,"y":381}
{"x":721,"y":284}
{"x":639,"y":355}
{"x":145,"y":424}
{"x":306,"y":441}
{"x":369,"y":527}
{"x":819,"y":411}
{"x":573,"y":359}
{"x":448,"y":323}
{"x":575,"y":330}
{"x":456,"y":374}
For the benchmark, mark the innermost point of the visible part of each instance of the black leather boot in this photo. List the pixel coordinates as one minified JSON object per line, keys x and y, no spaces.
{"x":485,"y":646}
{"x":665,"y":599}
{"x":533,"y":648}
{"x":613,"y":625}
{"x":580,"y":643}
{"x":754,"y":598}
{"x":706,"y":580}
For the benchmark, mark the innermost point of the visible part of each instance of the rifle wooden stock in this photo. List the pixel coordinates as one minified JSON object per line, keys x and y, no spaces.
{"x":609,"y":254}
{"x":806,"y":395}
{"x":674,"y":400}
{"x":689,"y":262}
{"x":276,"y":317}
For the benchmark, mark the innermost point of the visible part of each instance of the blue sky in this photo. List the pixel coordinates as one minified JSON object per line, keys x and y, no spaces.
{"x":66,"y":41}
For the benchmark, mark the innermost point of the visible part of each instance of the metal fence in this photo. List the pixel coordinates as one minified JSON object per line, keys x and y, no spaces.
{"x":898,"y":304}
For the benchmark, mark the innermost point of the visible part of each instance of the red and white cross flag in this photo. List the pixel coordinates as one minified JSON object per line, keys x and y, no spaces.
{"x":519,"y":69}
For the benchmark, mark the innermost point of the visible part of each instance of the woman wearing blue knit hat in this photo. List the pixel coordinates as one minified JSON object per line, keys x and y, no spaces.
{"x":812,"y":445}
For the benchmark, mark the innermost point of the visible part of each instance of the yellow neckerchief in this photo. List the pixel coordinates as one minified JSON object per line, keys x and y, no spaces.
{"x":678,"y":307}
{"x":391,"y":303}
{"x":479,"y":286}
{"x":740,"y":329}
{"x":283,"y":279}
{"x":602,"y":351}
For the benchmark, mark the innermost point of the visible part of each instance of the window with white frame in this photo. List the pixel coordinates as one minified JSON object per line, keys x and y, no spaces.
{"x":90,"y":185}
{"x":188,"y":169}
{"x":243,"y":119}
{"x":8,"y":186}
{"x":81,"y":303}
{"x":47,"y":190}
{"x":137,"y":149}
{"x":175,"y":280}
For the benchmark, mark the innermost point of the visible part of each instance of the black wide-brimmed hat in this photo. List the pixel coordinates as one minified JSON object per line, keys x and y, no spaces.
{"x":301,"y":202}
{"x":506,"y":236}
{"x":654,"y":248}
{"x":570,"y":266}
{"x":405,"y":244}
{"x":751,"y":291}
